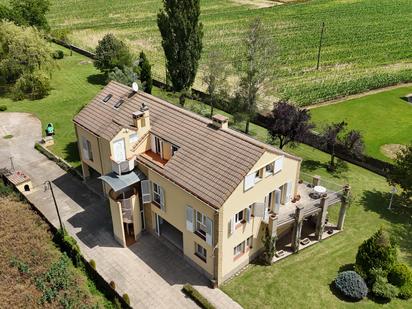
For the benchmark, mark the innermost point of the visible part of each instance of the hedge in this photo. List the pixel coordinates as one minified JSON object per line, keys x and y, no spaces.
{"x":198,"y":298}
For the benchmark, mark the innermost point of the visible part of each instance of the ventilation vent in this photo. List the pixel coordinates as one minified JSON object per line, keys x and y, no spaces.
{"x":107,"y":98}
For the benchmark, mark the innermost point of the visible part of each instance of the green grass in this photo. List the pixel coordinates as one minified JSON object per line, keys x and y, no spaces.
{"x":366,"y":43}
{"x":74,"y":84}
{"x":302,"y":280}
{"x":383,"y":118}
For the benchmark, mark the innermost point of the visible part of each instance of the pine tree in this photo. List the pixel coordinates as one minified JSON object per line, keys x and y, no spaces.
{"x":182,"y":35}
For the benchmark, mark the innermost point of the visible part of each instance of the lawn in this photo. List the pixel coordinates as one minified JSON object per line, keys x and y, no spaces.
{"x":27,"y":254}
{"x":383,"y":118}
{"x":366,"y":43}
{"x":302,"y":280}
{"x":74,"y":84}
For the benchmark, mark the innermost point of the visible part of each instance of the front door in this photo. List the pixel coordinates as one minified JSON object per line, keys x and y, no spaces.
{"x":119,"y":150}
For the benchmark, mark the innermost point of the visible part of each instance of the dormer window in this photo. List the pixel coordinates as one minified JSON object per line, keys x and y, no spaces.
{"x":107,"y":98}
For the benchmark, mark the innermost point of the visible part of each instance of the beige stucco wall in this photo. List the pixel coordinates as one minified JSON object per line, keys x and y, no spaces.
{"x":240,"y":200}
{"x":176,"y":200}
{"x":96,"y":164}
{"x":117,"y":221}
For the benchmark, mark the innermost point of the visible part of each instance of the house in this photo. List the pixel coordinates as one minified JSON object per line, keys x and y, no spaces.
{"x":210,"y":191}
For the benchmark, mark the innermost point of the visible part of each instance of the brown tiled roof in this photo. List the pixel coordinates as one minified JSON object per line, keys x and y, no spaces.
{"x":210,"y":162}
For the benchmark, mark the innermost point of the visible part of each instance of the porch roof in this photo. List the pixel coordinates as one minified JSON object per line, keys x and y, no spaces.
{"x":120,"y":182}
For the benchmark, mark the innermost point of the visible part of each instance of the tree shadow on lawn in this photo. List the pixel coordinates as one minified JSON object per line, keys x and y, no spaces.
{"x":97,"y":79}
{"x":400,"y":216}
{"x":72,"y":152}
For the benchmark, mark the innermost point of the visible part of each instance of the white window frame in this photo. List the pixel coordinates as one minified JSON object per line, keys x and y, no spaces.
{"x":201,"y":252}
{"x":278,"y":165}
{"x":239,"y":249}
{"x":133,"y":138}
{"x":158,"y":193}
{"x":239,"y":217}
{"x":201,"y":223}
{"x":271,"y":170}
{"x":249,"y":181}
{"x":258,"y":175}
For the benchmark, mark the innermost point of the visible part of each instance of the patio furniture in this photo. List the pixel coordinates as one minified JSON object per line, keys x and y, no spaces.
{"x":318,"y":191}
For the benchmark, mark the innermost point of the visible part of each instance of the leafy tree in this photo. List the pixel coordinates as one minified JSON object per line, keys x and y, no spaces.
{"x":111,"y":53}
{"x":4,"y":13}
{"x":214,"y":79}
{"x":351,"y":142}
{"x":30,"y":13}
{"x":126,"y":76}
{"x":31,"y":85}
{"x":377,"y":252}
{"x":401,"y":174}
{"x":269,"y":247}
{"x":145,"y":73}
{"x":24,"y":52}
{"x":182,"y":34}
{"x":288,"y":123}
{"x":253,"y":70}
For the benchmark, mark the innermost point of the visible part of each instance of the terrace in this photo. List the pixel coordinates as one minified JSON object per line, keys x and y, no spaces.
{"x":305,"y":221}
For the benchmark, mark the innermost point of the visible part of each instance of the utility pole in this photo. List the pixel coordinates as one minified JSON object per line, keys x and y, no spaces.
{"x":55,"y":203}
{"x":320,"y":44}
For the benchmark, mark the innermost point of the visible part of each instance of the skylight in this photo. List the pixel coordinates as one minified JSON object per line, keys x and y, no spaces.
{"x":119,"y":103}
{"x":107,"y":98}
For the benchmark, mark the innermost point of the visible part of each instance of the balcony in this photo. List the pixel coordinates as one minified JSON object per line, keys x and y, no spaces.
{"x":124,"y":166}
{"x":125,"y":201}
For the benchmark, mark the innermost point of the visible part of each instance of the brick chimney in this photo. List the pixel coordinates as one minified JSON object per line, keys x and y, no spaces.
{"x":220,"y":121}
{"x":142,"y":118}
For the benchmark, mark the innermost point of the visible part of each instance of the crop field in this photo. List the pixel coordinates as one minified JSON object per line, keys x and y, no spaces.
{"x":366,"y":42}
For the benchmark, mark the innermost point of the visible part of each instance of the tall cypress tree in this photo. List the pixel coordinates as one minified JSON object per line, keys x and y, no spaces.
{"x":145,"y":73}
{"x":182,"y":35}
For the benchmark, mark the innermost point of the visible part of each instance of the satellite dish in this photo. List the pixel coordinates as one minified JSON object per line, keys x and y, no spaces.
{"x":135,"y":87}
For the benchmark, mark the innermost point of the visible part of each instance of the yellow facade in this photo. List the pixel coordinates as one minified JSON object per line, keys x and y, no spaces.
{"x":220,"y":262}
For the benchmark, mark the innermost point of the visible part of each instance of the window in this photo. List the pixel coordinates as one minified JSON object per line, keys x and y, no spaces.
{"x":200,"y":252}
{"x":87,"y":149}
{"x":278,"y":165}
{"x":201,"y":227}
{"x":258,"y":175}
{"x":269,"y":169}
{"x":249,"y":181}
{"x":251,"y":209}
{"x":133,"y":138}
{"x":239,"y":249}
{"x":158,"y":195}
{"x":107,"y":98}
{"x":239,"y":217}
{"x":249,"y":242}
{"x":174,"y":149}
{"x":158,"y":145}
{"x":119,"y":103}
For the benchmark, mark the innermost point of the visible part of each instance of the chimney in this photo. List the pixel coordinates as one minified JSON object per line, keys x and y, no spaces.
{"x":142,"y":118}
{"x":220,"y":121}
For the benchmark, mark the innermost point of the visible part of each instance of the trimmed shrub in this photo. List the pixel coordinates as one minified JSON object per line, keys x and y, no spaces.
{"x":126,"y":298}
{"x":378,"y":252}
{"x":92,"y":264}
{"x":351,"y":285}
{"x":400,"y":275}
{"x":31,"y":86}
{"x":405,"y":291}
{"x":112,"y":285}
{"x":3,"y":108}
{"x":383,"y":289}
{"x":58,"y":54}
{"x":197,"y":297}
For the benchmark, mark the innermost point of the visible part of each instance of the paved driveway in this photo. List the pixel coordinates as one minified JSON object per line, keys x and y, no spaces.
{"x":148,"y":271}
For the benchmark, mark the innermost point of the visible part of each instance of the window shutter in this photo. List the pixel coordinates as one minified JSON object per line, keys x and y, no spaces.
{"x":153,"y":143}
{"x":259,"y":210}
{"x":248,"y":214}
{"x":249,"y":181}
{"x":288,"y":191}
{"x":189,"y":219}
{"x":266,"y":215}
{"x":162,"y":199}
{"x":209,"y":231}
{"x":85,"y":149}
{"x":278,"y":195}
{"x":266,"y":202}
{"x":146,"y":192}
{"x":232,"y":225}
{"x":279,"y":164}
